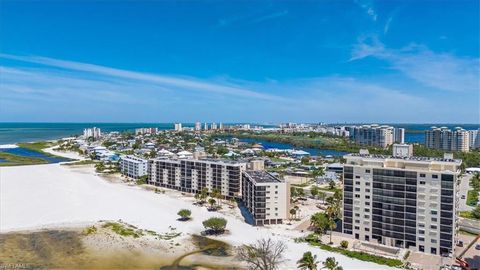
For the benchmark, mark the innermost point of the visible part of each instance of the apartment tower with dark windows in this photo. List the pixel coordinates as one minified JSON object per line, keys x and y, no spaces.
{"x":402,"y":201}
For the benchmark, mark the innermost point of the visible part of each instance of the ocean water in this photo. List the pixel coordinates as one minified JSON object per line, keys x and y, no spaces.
{"x":27,"y":132}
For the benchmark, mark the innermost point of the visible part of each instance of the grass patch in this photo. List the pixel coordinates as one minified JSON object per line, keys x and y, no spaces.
{"x":123,"y":229}
{"x":16,"y":160}
{"x":90,"y":230}
{"x":81,"y":162}
{"x":472,"y":197}
{"x":359,"y":255}
{"x":36,"y":146}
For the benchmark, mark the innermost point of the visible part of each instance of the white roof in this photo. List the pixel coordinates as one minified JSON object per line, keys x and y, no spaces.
{"x":184,"y":153}
{"x":300,"y":152}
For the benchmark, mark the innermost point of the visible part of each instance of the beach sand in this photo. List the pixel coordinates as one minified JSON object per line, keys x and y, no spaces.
{"x":56,"y":196}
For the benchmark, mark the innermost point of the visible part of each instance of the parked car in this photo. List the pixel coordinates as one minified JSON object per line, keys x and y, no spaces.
{"x":460,"y":244}
{"x":477,"y":247}
{"x":463,"y":197}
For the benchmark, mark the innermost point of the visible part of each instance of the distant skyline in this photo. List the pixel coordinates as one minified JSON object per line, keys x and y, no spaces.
{"x":262,"y":62}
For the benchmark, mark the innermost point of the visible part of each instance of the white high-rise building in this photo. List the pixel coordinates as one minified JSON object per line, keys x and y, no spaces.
{"x":214,"y":125}
{"x":94,"y":133}
{"x":374,"y":135}
{"x":221,"y":126}
{"x":407,"y":202}
{"x":198,"y":126}
{"x":205,"y":126}
{"x":133,"y":167}
{"x":474,"y":139}
{"x":266,"y":197}
{"x":178,"y":126}
{"x":399,"y":135}
{"x":445,"y":139}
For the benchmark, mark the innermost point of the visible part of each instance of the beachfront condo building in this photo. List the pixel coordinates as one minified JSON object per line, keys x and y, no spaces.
{"x":178,"y":127}
{"x":401,"y":201}
{"x":448,"y":140}
{"x":474,"y":138}
{"x":191,"y":175}
{"x":133,"y":167}
{"x":266,"y":197}
{"x":94,"y":133}
{"x":376,"y":135}
{"x":198,"y":126}
{"x":142,"y":131}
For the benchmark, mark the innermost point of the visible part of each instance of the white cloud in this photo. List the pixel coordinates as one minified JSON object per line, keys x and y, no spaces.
{"x":442,"y":71}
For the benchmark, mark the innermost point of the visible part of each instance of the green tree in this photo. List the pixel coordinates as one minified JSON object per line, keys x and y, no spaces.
{"x":331,"y":184}
{"x":293,"y":213}
{"x":331,"y":264}
{"x":212,"y":202}
{"x":215,"y":225}
{"x":322,"y":195}
{"x":184,"y":214}
{"x":314,"y":191}
{"x":203,"y":194}
{"x":319,"y":221}
{"x":476,"y":212}
{"x":344,"y":244}
{"x":308,"y":261}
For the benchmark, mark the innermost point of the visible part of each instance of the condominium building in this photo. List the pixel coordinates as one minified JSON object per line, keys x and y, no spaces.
{"x":214,"y":126}
{"x":376,"y":135}
{"x":399,"y":135}
{"x":189,"y":175}
{"x":474,"y":139}
{"x":198,"y":126}
{"x":141,"y":131}
{"x":133,"y":167}
{"x":178,"y":126}
{"x":407,"y":202}
{"x":266,"y":197}
{"x":445,"y":139}
{"x":94,"y":133}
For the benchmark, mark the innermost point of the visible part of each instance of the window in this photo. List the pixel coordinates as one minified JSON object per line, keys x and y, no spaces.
{"x":276,"y":192}
{"x":357,"y":214}
{"x":367,"y":184}
{"x":434,"y":219}
{"x":367,"y":190}
{"x":435,"y":176}
{"x":434,"y":227}
{"x":357,"y":189}
{"x":434,"y":241}
{"x":367,"y":171}
{"x":357,"y":183}
{"x":366,"y":216}
{"x":357,"y":176}
{"x":433,"y":212}
{"x":357,"y":195}
{"x":367,"y":203}
{"x":367,"y":229}
{"x":357,"y":228}
{"x":367,"y":196}
{"x":421,"y":239}
{"x":367,"y":210}
{"x":422,"y":175}
{"x":357,"y":221}
{"x":422,"y":182}
{"x":421,"y":225}
{"x":421,"y":232}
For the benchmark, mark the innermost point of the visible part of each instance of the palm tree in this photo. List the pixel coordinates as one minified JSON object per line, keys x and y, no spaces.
{"x":293,"y":212}
{"x":331,"y":264}
{"x":308,"y":261}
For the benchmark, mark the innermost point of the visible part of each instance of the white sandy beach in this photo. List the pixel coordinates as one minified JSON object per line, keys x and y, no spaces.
{"x":46,"y":196}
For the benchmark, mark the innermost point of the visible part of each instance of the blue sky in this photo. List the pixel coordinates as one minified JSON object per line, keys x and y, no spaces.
{"x":243,"y":61}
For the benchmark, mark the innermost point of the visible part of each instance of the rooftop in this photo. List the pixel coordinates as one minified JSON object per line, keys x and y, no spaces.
{"x":262,"y":177}
{"x":412,"y":158}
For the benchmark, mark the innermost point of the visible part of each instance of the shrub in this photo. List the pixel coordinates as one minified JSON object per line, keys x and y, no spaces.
{"x":184,"y":214}
{"x":215,"y":225}
{"x":344,"y":244}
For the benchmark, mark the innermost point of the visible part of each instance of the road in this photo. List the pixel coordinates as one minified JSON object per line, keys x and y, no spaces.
{"x":464,"y":187}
